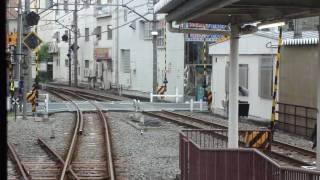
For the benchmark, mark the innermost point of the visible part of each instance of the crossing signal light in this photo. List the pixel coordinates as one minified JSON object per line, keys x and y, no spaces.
{"x":32,"y":18}
{"x":12,"y":39}
{"x":65,"y":38}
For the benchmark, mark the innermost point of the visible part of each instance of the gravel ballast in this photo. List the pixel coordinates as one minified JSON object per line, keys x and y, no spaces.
{"x":153,"y":155}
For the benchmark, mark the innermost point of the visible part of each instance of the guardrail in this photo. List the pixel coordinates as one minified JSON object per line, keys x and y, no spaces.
{"x":200,"y":161}
{"x":297,"y":119}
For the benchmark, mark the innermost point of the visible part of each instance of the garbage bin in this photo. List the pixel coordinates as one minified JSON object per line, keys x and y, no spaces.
{"x":243,"y":108}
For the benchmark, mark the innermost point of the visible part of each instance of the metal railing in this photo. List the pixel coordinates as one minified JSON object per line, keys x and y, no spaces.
{"x":296,"y":119}
{"x":198,"y":161}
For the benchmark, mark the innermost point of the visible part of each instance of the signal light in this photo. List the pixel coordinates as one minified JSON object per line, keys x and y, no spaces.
{"x":32,"y":18}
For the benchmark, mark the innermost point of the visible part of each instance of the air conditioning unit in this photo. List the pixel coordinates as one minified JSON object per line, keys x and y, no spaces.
{"x":86,"y":72}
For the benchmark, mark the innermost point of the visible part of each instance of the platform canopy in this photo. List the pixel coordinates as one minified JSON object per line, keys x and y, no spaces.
{"x":245,"y":11}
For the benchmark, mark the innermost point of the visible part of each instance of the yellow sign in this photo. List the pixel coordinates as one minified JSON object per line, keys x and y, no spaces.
{"x":32,"y":41}
{"x":12,"y":39}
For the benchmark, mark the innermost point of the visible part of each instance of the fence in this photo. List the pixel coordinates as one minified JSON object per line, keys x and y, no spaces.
{"x":198,"y":161}
{"x":297,"y":119}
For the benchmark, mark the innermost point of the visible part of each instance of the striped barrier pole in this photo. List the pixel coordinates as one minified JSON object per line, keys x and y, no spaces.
{"x":276,"y":79}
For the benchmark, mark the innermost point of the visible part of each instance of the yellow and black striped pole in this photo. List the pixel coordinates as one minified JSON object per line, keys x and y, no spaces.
{"x":165,"y":81}
{"x":11,"y":76}
{"x":276,"y":79}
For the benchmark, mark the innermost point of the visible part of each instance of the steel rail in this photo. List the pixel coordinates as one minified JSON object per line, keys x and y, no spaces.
{"x":106,"y":133}
{"x":197,"y":120}
{"x":74,"y":137}
{"x":72,"y":145}
{"x":17,"y":161}
{"x":49,"y":150}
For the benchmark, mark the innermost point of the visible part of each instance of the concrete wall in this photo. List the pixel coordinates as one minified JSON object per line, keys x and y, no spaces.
{"x":140,"y":76}
{"x":298,"y":75}
{"x":251,"y":47}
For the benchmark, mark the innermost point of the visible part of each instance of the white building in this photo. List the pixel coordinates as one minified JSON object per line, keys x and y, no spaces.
{"x":256,"y":58}
{"x":136,"y":50}
{"x":110,"y":42}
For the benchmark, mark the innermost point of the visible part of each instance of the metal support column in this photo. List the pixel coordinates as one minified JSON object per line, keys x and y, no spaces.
{"x":318,"y":102}
{"x":154,"y":42}
{"x":233,"y":88}
{"x":75,"y":47}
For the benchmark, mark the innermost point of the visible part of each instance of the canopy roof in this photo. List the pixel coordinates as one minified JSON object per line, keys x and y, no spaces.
{"x":245,"y":11}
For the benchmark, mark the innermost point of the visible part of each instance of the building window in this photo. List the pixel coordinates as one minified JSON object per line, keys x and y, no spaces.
{"x":265,"y":76}
{"x":86,"y":3}
{"x":160,"y":37}
{"x":78,"y":71}
{"x":86,"y":34}
{"x":65,"y":6}
{"x":49,"y":3}
{"x":57,"y":36}
{"x":86,"y":63}
{"x":109,"y":32}
{"x":125,"y":60}
{"x":125,"y":15}
{"x":243,"y":75}
{"x":147,"y":30}
{"x":66,"y":62}
{"x":99,"y":32}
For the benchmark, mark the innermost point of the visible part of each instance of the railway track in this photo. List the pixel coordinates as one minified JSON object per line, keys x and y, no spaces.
{"x":282,"y":151}
{"x":90,"y":155}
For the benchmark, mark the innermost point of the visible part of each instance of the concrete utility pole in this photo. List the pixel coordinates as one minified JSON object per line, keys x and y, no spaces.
{"x":318,"y":101}
{"x":69,"y":50}
{"x":233,"y":88}
{"x":117,"y":46}
{"x":154,"y":42}
{"x":75,"y":47}
{"x":19,"y":39}
{"x":27,"y":76}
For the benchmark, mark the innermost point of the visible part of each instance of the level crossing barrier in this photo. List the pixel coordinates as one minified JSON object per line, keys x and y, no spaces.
{"x":176,"y":96}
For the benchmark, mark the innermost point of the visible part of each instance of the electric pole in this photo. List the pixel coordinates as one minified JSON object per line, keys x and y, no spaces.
{"x":69,"y":55}
{"x":154,"y":42}
{"x":75,"y":46}
{"x":27,"y":64}
{"x":117,"y":46}
{"x":19,"y":40}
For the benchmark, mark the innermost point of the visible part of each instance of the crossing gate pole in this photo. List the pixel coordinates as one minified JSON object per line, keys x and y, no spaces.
{"x":275,"y":83}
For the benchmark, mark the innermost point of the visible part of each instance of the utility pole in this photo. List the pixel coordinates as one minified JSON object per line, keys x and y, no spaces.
{"x":75,"y":47}
{"x":117,"y":46}
{"x":154,"y":42}
{"x":69,"y":50}
{"x":19,"y":40}
{"x":27,"y":77}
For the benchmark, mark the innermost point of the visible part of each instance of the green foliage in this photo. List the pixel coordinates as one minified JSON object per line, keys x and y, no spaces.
{"x":43,"y":53}
{"x":43,"y":77}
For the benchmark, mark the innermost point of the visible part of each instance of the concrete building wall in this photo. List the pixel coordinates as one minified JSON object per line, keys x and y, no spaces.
{"x":259,"y":106}
{"x":140,"y":75}
{"x":175,"y":63}
{"x":298,"y":75}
